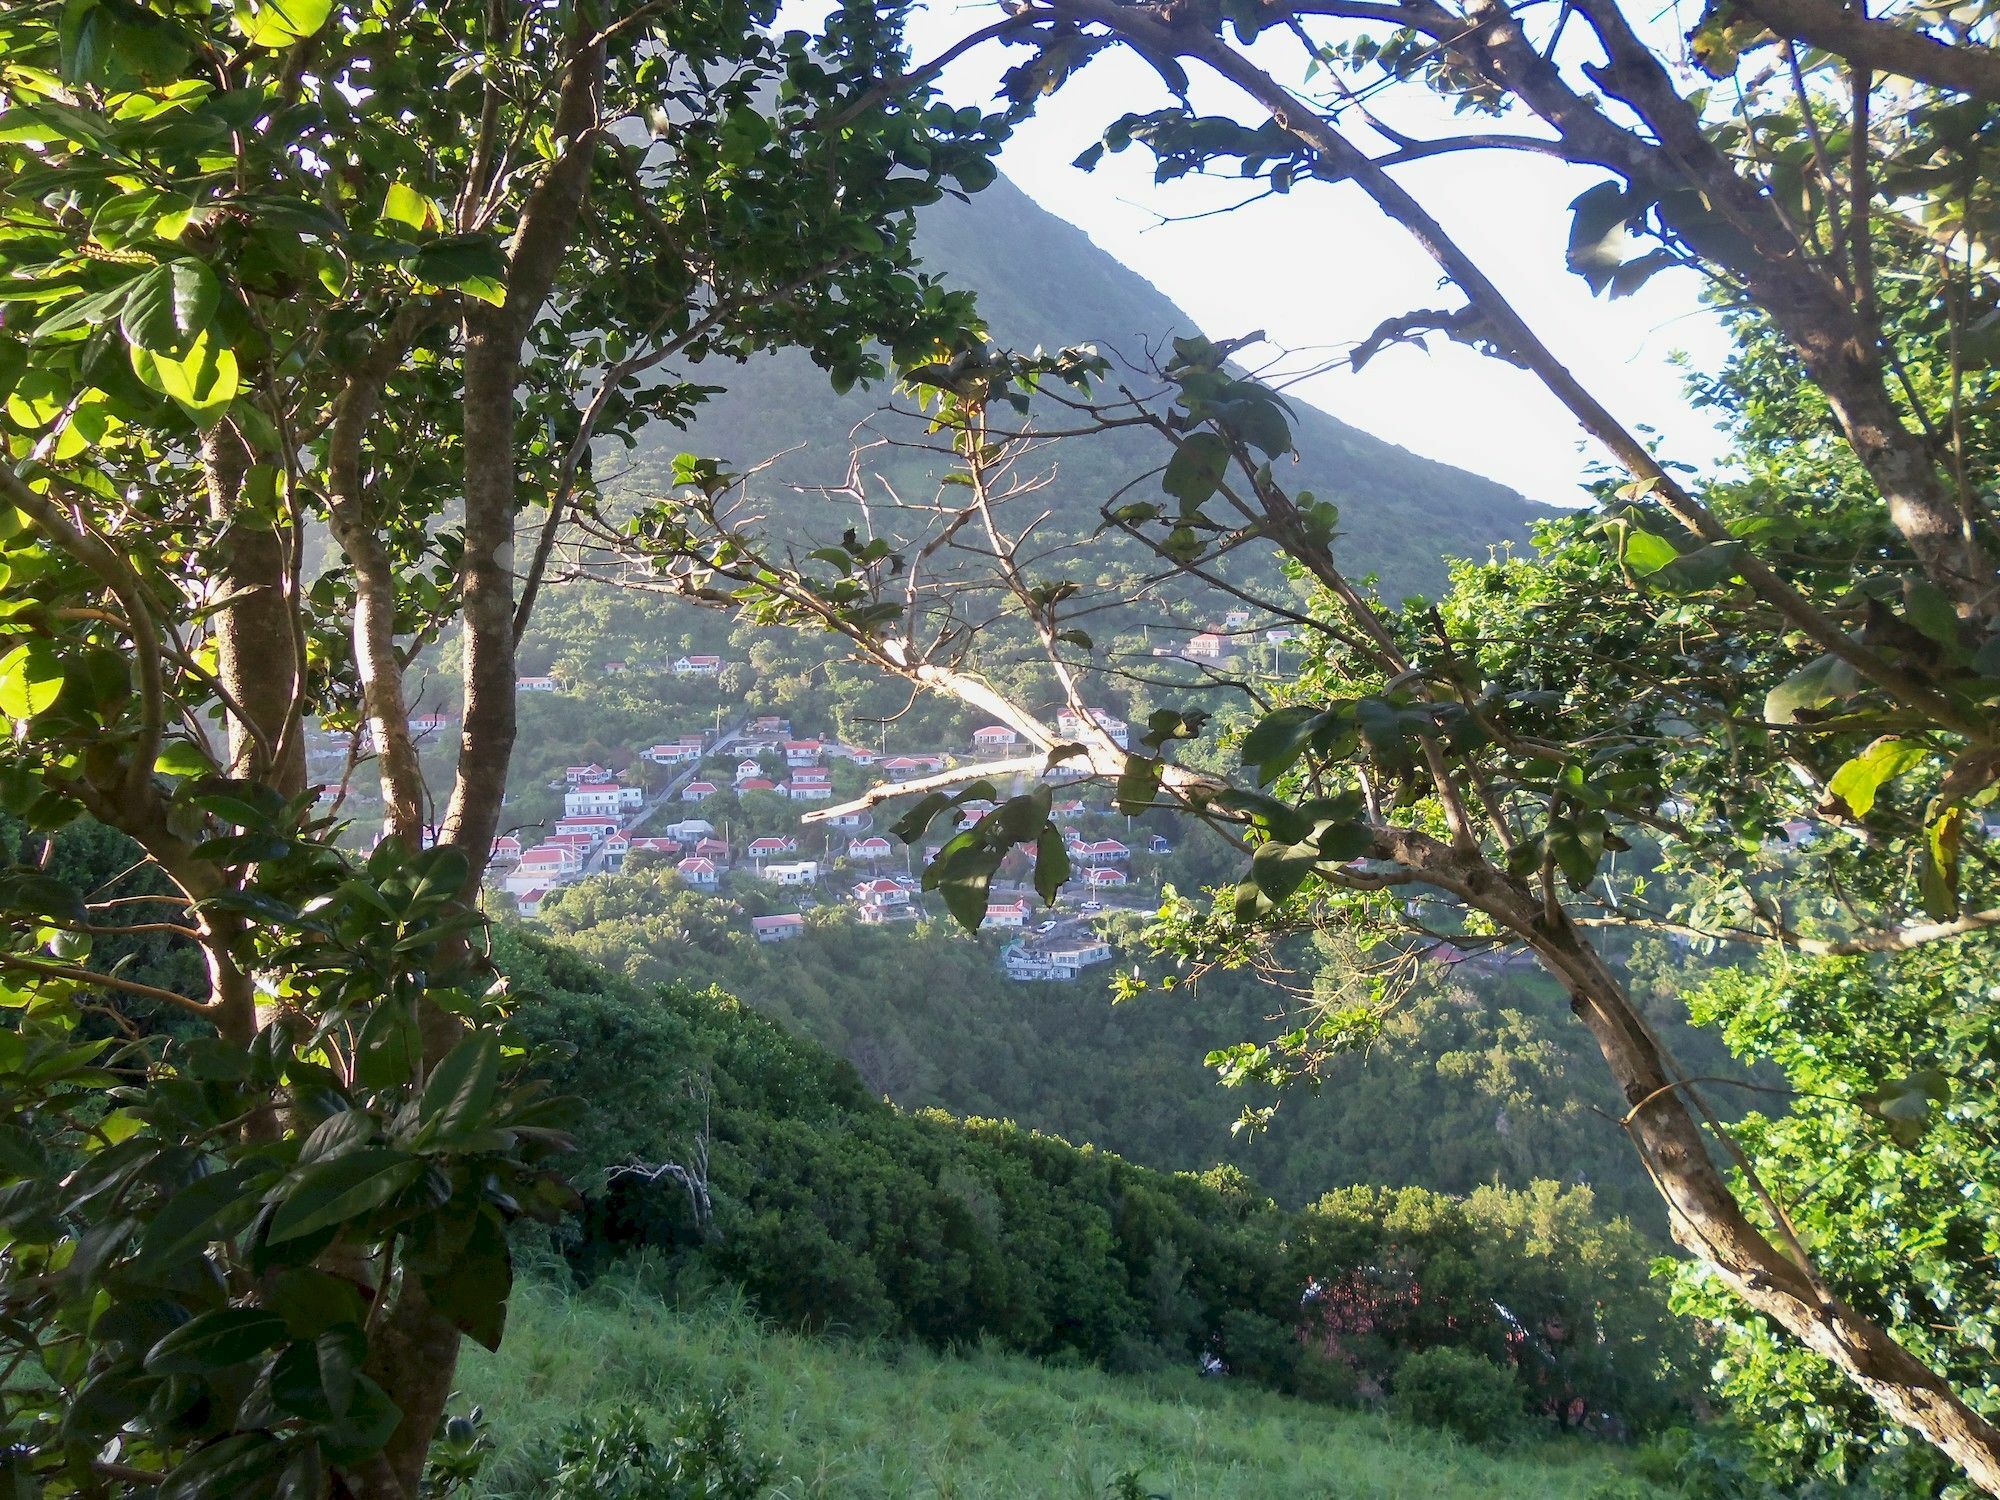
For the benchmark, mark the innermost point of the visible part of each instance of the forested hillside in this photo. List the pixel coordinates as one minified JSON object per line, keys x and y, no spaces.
{"x":1042,"y":283}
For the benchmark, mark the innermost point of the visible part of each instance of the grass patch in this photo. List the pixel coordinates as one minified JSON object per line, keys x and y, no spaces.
{"x":888,"y":1422}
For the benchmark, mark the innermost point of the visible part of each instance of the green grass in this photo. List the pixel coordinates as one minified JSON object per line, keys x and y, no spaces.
{"x":882,"y":1423}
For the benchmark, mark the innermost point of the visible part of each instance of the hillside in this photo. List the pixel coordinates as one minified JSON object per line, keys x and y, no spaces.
{"x":1041,"y":281}
{"x":842,"y":1421}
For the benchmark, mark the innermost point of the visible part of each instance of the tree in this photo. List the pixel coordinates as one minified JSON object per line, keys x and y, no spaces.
{"x":398,"y":272}
{"x":1495,"y":752}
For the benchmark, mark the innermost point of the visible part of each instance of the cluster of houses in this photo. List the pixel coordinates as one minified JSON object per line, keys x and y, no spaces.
{"x":1221,"y":642}
{"x":682,"y":666}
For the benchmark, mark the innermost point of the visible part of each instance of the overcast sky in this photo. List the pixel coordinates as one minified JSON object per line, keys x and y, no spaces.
{"x":1320,"y":268}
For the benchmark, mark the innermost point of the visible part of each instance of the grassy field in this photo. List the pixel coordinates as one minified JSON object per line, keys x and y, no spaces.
{"x":863,"y":1423}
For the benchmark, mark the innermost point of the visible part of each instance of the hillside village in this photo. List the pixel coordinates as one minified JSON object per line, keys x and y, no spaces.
{"x":724,"y":806}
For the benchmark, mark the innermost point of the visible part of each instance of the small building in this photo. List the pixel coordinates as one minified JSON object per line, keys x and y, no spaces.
{"x":810,"y":786}
{"x":770,"y":847}
{"x":1205,"y":646}
{"x":1068,"y":812}
{"x":1235,"y":619}
{"x":698,"y":871}
{"x":851,"y":822}
{"x":689,"y":829}
{"x":903,"y":767}
{"x":1010,"y":914}
{"x":770,"y":724}
{"x":650,"y":844}
{"x":535,"y":684}
{"x":872,"y":850}
{"x":1105,"y":876}
{"x":747,"y":768}
{"x":1103,"y":852}
{"x":529,"y":902}
{"x":756,"y":784}
{"x":679,"y":754}
{"x":781,"y":928}
{"x":697,"y":666}
{"x":994,"y":738}
{"x":803,"y":752}
{"x":798,"y":872}
{"x":615,"y":849}
{"x":1071,"y":726}
{"x":698,"y":791}
{"x":711,"y":848}
{"x":884,"y":901}
{"x":506,"y":850}
{"x":602,"y":797}
{"x":577,"y":775}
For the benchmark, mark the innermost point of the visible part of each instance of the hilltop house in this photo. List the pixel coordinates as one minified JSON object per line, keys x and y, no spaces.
{"x":1070,"y":726}
{"x":535,"y":684}
{"x":771,"y":847}
{"x":810,"y":786}
{"x":529,"y":902}
{"x":697,"y":666}
{"x":884,"y":901}
{"x":873,"y":849}
{"x":1205,"y":646}
{"x":697,"y":870}
{"x":1064,"y":960}
{"x":994,"y":738}
{"x":602,"y":797}
{"x":698,"y":791}
{"x":781,"y":928}
{"x":1006,"y":914}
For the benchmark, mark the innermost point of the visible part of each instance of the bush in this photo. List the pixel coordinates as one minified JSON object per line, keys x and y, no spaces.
{"x":1460,"y":1392}
{"x":702,"y":1456}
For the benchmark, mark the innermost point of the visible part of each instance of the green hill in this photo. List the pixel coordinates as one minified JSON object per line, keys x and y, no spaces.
{"x":852,"y":1422}
{"x":1041,"y":281}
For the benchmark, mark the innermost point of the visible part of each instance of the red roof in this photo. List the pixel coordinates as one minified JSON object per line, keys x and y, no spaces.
{"x":694,"y":864}
{"x":771,"y":846}
{"x":756,"y":784}
{"x":599,"y":786}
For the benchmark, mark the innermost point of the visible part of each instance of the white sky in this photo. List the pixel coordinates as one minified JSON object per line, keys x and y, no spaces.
{"x":1320,"y":268}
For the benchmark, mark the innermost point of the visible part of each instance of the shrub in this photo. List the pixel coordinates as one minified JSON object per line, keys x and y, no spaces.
{"x":1460,"y":1392}
{"x":701,"y":1456}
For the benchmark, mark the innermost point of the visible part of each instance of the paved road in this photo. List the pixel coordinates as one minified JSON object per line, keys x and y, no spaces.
{"x":668,"y":797}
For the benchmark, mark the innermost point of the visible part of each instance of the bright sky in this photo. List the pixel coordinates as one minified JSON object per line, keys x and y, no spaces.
{"x":1320,"y":268}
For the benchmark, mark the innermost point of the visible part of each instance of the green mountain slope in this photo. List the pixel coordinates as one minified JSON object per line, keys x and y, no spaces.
{"x":1041,"y":281}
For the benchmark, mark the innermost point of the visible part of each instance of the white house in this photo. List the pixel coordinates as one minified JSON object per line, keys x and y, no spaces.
{"x":1070,"y":726}
{"x":697,"y":871}
{"x":994,"y":737}
{"x":772,"y":847}
{"x":1103,"y":852}
{"x":689,"y":829}
{"x":1205,"y":646}
{"x":506,"y":850}
{"x":697,"y":666}
{"x":698,"y":791}
{"x":903,"y":767}
{"x":600,"y":797}
{"x":853,"y":821}
{"x":535,"y":684}
{"x":798,"y":872}
{"x":803,"y":752}
{"x":811,"y":786}
{"x":1064,"y":961}
{"x":1235,"y":619}
{"x":671,"y":755}
{"x":883,"y":901}
{"x":529,"y":902}
{"x":873,"y":849}
{"x":1006,"y":914}
{"x":778,"y":929}
{"x":1105,"y":876}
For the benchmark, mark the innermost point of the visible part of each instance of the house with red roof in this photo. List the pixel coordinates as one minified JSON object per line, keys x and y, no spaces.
{"x":994,"y":738}
{"x":849,"y":822}
{"x":655,"y":845}
{"x":781,"y":928}
{"x":903,"y":767}
{"x":529,"y":902}
{"x":535,"y":684}
{"x":1006,"y":913}
{"x":884,"y":901}
{"x":756,"y":784}
{"x":573,"y":775}
{"x":697,"y":666}
{"x":602,"y":797}
{"x":1103,"y":852}
{"x":803,"y":752}
{"x":810,"y":786}
{"x":711,"y":848}
{"x":1105,"y":875}
{"x":698,"y":791}
{"x":678,"y":754}
{"x":506,"y":850}
{"x":697,"y":871}
{"x":873,"y":849}
{"x":771,"y":847}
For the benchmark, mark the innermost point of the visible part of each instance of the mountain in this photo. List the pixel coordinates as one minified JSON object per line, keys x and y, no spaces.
{"x":1042,"y":281}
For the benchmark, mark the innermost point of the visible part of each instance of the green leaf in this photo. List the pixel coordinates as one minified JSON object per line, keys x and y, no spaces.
{"x":1279,"y":739}
{"x":340,"y":1189}
{"x":1909,"y":1106}
{"x":280,"y":23}
{"x":405,"y":205}
{"x":472,"y":1294}
{"x":1279,"y":869}
{"x":1645,"y":553}
{"x":459,"y":1094}
{"x":1858,"y":782}
{"x":963,"y":875}
{"x":1195,"y":470}
{"x":1138,"y":785}
{"x":211,"y":1208}
{"x":1937,"y":877}
{"x":1823,"y":680}
{"x":1052,"y":864}
{"x":216,"y":1341}
{"x":169,"y":306}
{"x":31,"y":679}
{"x":183,"y":758}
